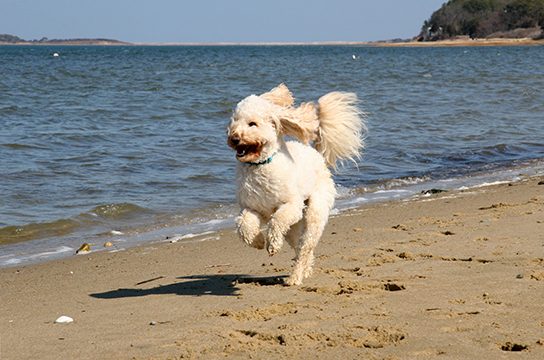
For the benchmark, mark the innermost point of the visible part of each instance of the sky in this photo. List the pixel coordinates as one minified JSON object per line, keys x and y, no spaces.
{"x":216,"y":20}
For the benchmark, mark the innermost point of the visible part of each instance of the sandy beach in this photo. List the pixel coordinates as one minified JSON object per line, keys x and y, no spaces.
{"x":455,"y":275}
{"x":464,"y":42}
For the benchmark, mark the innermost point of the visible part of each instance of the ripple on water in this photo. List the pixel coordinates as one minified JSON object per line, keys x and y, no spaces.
{"x":143,"y":128}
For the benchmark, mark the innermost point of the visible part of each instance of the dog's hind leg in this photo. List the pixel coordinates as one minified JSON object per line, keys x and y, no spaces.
{"x":248,"y":226}
{"x":316,"y":217}
{"x":294,"y":234}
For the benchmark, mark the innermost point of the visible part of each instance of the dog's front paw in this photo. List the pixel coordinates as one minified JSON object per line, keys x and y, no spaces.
{"x":274,"y":240}
{"x":248,"y":226}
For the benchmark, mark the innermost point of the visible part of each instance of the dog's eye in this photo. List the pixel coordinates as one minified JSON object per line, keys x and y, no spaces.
{"x":251,"y":124}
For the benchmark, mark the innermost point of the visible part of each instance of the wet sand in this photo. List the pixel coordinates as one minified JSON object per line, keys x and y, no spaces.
{"x":452,"y":275}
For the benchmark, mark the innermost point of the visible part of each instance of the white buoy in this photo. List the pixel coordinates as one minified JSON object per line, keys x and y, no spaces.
{"x":354,"y":57}
{"x":56,"y":54}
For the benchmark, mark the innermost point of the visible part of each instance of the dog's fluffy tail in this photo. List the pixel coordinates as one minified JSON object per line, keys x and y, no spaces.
{"x":341,"y":127}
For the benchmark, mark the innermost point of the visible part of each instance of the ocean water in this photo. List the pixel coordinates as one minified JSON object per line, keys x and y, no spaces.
{"x":127,"y":144}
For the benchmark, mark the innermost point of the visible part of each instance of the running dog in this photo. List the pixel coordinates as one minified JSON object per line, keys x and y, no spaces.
{"x":285,"y":187}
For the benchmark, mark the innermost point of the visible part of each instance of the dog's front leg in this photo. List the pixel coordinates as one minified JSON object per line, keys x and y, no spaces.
{"x":286,"y":216}
{"x":248,"y":226}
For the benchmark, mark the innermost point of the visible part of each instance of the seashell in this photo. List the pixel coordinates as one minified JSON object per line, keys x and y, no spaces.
{"x":64,"y":320}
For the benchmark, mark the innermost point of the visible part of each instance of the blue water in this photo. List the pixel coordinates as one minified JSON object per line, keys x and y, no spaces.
{"x":132,"y":139}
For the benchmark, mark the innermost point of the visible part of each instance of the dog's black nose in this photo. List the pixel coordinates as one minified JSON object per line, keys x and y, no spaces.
{"x":234,"y":140}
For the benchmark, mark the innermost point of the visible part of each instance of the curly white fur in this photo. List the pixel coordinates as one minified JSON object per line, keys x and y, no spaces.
{"x":285,"y":189}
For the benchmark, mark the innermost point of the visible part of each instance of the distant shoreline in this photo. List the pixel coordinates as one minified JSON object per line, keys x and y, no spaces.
{"x":67,"y":43}
{"x":464,"y":42}
{"x":441,"y":43}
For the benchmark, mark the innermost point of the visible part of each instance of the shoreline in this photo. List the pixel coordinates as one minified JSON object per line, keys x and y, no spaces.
{"x":384,"y":43}
{"x":467,"y":42}
{"x":454,"y":274}
{"x":28,"y":252}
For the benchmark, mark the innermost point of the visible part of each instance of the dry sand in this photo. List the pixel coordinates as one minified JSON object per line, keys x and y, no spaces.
{"x":457,"y":275}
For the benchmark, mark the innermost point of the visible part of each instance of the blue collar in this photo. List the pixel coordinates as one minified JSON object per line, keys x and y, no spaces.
{"x":263,"y":162}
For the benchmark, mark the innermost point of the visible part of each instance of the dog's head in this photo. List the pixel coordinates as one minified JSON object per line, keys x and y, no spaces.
{"x":259,"y":122}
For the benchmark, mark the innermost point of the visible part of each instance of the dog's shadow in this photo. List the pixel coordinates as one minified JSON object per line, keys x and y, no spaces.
{"x":196,"y":285}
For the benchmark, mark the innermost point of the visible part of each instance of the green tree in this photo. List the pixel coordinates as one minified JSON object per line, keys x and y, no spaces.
{"x":480,"y":18}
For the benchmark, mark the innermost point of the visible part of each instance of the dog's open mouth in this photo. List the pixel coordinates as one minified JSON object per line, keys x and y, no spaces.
{"x":243,"y":150}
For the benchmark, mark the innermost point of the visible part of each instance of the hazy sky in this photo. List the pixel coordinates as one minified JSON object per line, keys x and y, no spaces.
{"x":216,"y":20}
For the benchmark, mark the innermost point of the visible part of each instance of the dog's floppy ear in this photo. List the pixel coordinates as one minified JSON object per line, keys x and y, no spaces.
{"x":280,"y":95}
{"x":301,"y":122}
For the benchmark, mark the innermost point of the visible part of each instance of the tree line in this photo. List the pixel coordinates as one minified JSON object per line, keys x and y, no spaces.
{"x":482,"y":18}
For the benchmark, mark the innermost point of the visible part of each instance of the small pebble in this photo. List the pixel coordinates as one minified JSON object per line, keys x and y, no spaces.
{"x":153,"y":323}
{"x":84,"y":249}
{"x":433,"y":191}
{"x":519,"y":276}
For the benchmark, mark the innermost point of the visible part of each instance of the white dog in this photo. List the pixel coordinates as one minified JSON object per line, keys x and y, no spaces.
{"x":285,"y":189}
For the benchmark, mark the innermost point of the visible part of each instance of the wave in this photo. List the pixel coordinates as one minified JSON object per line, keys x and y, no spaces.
{"x":404,"y":188}
{"x":118,"y":211}
{"x":7,"y":110}
{"x":493,"y":152}
{"x":102,"y":216}
{"x":13,"y":234}
{"x":17,"y":146}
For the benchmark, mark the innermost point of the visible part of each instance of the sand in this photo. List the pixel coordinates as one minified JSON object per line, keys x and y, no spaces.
{"x":465,"y":42}
{"x":455,"y":275}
